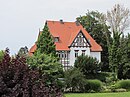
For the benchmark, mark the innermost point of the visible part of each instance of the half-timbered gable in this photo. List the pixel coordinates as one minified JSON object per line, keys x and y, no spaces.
{"x":80,"y":41}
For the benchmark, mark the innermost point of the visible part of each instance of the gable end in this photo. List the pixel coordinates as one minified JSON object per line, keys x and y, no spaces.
{"x":80,"y":41}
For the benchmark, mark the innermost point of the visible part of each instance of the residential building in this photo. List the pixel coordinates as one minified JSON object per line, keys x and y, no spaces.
{"x":71,"y":40}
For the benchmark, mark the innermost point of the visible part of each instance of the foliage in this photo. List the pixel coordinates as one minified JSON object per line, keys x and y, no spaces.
{"x":17,"y":80}
{"x":1,"y":55}
{"x":124,"y":64}
{"x":74,"y":80}
{"x":123,"y":84}
{"x":45,"y":43}
{"x":23,"y":51}
{"x":94,"y":23}
{"x":114,"y":54}
{"x":120,"y":90}
{"x":118,"y":19}
{"x":119,"y":58}
{"x":47,"y":65}
{"x":45,"y":58}
{"x":102,"y":76}
{"x":87,"y":65}
{"x":93,"y":85}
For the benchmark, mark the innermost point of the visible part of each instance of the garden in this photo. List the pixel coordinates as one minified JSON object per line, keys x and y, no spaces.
{"x":41,"y":75}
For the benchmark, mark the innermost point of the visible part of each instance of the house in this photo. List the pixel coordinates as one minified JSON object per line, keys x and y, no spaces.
{"x":71,"y":40}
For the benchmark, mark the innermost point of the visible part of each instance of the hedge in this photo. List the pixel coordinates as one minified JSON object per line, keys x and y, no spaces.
{"x":93,"y":85}
{"x":123,"y":84}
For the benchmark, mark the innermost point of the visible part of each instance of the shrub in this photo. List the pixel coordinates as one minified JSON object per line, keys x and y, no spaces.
{"x":74,"y":80}
{"x":102,"y":76}
{"x":93,"y":85}
{"x":17,"y":80}
{"x":87,"y":65}
{"x":123,"y":84}
{"x":113,"y":88}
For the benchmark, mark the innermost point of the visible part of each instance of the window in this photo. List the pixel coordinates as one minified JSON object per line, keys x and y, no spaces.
{"x":83,"y":52}
{"x":76,"y":53}
{"x":62,"y":54}
{"x":59,"y":55}
{"x":56,"y":39}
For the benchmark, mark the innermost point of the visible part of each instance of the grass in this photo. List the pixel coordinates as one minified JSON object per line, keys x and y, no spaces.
{"x":119,"y":94}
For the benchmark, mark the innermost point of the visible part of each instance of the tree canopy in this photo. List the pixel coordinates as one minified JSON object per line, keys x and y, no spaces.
{"x":45,"y":58}
{"x":45,"y":43}
{"x":118,"y":20}
{"x":18,"y":80}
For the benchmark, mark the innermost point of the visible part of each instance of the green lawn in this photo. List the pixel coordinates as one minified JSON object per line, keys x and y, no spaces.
{"x":121,"y":94}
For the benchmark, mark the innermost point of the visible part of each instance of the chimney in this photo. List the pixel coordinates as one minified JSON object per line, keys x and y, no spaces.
{"x":61,"y":21}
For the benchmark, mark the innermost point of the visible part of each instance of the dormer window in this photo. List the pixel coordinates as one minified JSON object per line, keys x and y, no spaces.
{"x":56,"y":39}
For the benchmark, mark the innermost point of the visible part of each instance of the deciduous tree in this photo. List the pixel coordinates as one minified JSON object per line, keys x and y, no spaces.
{"x":23,"y":51}
{"x":17,"y":80}
{"x":118,"y":20}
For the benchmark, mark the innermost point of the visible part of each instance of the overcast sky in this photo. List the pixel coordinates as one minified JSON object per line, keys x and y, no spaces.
{"x":20,"y":20}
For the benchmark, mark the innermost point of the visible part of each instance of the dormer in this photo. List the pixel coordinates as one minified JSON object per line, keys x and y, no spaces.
{"x":56,"y":39}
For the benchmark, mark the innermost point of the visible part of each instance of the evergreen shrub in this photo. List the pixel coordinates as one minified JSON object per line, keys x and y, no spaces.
{"x":123,"y":84}
{"x":74,"y":80}
{"x":93,"y":85}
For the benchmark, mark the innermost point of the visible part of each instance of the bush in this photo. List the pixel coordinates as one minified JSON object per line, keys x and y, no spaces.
{"x":125,"y":84}
{"x":87,"y":65}
{"x":17,"y":80}
{"x":74,"y":80}
{"x":93,"y":85}
{"x":102,"y":76}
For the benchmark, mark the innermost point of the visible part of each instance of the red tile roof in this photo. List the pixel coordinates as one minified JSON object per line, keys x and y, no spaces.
{"x":67,"y":31}
{"x":32,"y":49}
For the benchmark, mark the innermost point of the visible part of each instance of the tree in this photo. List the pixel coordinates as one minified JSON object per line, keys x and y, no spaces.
{"x":45,"y":43}
{"x":94,"y":23}
{"x":45,"y":58}
{"x":17,"y":80}
{"x":118,"y":20}
{"x":47,"y":65}
{"x":87,"y":65}
{"x":115,"y":55}
{"x":124,"y":65}
{"x":23,"y":51}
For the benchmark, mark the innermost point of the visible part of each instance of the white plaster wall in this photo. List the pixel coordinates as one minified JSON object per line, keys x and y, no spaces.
{"x":72,"y":53}
{"x":96,"y":55}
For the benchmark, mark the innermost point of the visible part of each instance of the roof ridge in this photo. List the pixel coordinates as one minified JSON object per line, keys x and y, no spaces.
{"x":59,"y":21}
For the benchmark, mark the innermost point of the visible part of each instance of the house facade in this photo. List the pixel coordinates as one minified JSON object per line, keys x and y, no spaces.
{"x":71,"y":40}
